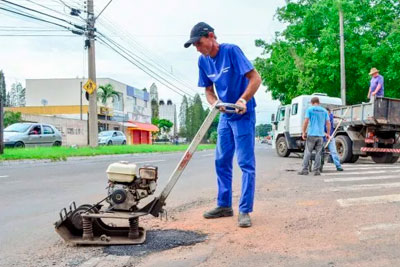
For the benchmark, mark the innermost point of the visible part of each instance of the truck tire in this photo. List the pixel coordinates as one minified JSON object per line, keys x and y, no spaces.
{"x":282,"y":148}
{"x":344,"y":148}
{"x":384,"y":158}
{"x":354,"y":158}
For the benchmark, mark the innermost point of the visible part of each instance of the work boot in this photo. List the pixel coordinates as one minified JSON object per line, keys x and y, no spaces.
{"x":303,"y":172}
{"x":317,"y":173}
{"x":339,"y":169}
{"x":244,"y":220}
{"x":218,"y":212}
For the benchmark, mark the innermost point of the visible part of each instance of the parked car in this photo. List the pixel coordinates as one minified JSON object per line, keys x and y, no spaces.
{"x":31,"y":134}
{"x":112,"y":138}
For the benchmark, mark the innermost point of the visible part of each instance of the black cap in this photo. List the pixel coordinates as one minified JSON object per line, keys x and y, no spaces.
{"x":199,"y":30}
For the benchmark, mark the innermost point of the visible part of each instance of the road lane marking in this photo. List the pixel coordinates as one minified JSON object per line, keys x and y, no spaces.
{"x":3,"y":176}
{"x":363,"y":168}
{"x":150,"y":161}
{"x":361,"y":187}
{"x":356,"y":173}
{"x":332,"y":180}
{"x":377,"y":230}
{"x":348,"y":202}
{"x":207,"y":155}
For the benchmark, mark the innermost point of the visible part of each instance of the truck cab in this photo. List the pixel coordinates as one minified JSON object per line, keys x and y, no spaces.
{"x":288,"y":123}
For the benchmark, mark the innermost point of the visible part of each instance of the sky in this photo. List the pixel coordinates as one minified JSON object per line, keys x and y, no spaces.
{"x":154,"y":30}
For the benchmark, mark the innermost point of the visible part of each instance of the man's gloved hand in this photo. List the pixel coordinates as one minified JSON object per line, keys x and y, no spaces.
{"x":243,"y":105}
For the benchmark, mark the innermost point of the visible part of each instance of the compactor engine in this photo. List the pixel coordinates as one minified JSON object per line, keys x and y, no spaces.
{"x":127,"y":185}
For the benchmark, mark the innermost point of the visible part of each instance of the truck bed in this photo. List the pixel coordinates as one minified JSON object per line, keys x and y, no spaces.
{"x":383,"y":111}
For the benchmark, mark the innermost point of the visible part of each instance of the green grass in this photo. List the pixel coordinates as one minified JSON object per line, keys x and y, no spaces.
{"x":62,"y":153}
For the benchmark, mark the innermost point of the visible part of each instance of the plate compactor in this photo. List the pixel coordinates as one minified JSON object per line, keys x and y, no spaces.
{"x":128,"y":184}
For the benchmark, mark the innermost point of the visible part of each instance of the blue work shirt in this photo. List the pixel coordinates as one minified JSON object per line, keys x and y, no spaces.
{"x":318,"y":117}
{"x":227,"y":71}
{"x":374,"y":83}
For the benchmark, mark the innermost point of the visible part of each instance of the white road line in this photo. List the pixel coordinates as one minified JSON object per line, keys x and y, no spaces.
{"x":355,"y":173}
{"x":360,"y":187}
{"x":207,"y":155}
{"x":363,"y":168}
{"x":368,"y":200}
{"x":381,"y":226}
{"x":3,"y":176}
{"x":377,"y":230}
{"x":149,"y":161}
{"x":332,"y":180}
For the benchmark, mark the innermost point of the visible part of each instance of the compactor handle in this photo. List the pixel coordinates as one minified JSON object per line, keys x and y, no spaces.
{"x":229,"y":107}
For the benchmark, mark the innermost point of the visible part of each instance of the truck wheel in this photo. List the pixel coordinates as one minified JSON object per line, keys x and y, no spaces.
{"x":354,"y":158}
{"x":282,"y":148}
{"x":384,"y":158}
{"x":344,"y":148}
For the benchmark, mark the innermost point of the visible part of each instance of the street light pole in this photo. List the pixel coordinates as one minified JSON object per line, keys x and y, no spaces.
{"x":342,"y":58}
{"x":93,"y":119}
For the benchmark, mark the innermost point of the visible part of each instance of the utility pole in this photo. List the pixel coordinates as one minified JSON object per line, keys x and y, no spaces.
{"x":342,"y":61}
{"x":93,"y":123}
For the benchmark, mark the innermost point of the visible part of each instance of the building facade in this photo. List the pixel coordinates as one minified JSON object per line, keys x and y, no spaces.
{"x":129,"y":112}
{"x":167,"y":111}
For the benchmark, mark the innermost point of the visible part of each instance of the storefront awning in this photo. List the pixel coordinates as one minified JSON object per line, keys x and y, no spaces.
{"x":142,"y":126}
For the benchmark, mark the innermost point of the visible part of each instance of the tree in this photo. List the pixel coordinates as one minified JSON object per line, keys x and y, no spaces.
{"x":182,"y":116}
{"x":3,"y":93}
{"x":304,"y":58}
{"x":263,"y":129}
{"x":106,"y":92}
{"x":165,"y":125}
{"x":194,"y":116}
{"x":154,"y":109}
{"x":17,"y":95}
{"x":11,"y":117}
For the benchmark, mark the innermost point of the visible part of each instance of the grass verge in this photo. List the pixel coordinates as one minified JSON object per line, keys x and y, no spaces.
{"x":62,"y":153}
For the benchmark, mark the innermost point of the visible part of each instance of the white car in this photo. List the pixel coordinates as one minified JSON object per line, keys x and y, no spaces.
{"x":112,"y":138}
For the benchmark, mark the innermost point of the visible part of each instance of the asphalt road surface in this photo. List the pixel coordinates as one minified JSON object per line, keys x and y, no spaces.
{"x":348,"y":218}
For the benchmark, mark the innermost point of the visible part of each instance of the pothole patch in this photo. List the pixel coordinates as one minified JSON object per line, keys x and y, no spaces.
{"x":158,"y":240}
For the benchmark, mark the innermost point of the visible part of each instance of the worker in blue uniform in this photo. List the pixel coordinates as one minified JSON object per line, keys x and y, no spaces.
{"x":225,"y":67}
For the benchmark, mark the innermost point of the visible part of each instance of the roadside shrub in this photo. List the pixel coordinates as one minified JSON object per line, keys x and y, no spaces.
{"x":213,"y":137}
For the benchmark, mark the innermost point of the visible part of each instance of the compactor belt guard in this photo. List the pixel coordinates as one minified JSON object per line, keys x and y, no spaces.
{"x":87,"y":224}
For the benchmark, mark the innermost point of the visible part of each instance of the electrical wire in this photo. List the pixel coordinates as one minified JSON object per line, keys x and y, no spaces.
{"x":141,"y":67}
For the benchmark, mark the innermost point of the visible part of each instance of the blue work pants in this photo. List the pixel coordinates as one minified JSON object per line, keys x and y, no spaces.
{"x":236,"y":136}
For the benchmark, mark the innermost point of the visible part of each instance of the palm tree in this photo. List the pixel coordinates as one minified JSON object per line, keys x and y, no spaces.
{"x":105,"y":92}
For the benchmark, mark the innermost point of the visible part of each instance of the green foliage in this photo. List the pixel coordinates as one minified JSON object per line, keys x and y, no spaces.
{"x":154,"y":109}
{"x":263,"y":129}
{"x":105,"y":92}
{"x":11,"y":117}
{"x":3,"y":92}
{"x":62,"y":153}
{"x":195,"y":115}
{"x":305,"y":57}
{"x":213,"y":137}
{"x":165,"y":125}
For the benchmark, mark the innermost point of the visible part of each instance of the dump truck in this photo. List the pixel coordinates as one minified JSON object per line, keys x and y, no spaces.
{"x":366,"y":129}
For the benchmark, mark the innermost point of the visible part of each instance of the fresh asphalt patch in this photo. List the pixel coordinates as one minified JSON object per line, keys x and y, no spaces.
{"x":158,"y":240}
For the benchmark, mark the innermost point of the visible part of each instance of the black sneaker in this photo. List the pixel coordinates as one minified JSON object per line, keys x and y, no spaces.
{"x":244,"y":220}
{"x":317,"y":173}
{"x":218,"y":212}
{"x":303,"y":172}
{"x":339,"y":169}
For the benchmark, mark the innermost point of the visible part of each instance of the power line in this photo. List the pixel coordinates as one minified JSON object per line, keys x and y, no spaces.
{"x":45,"y":14}
{"x":137,"y":65}
{"x":39,"y":19}
{"x":143,"y":68}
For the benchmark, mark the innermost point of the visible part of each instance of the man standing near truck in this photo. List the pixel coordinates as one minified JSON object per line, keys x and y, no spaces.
{"x":236,"y":81}
{"x":376,"y":88}
{"x":332,"y":143}
{"x":315,"y":121}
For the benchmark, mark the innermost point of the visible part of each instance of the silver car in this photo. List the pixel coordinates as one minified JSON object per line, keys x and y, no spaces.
{"x":112,"y":138}
{"x":31,"y":134}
